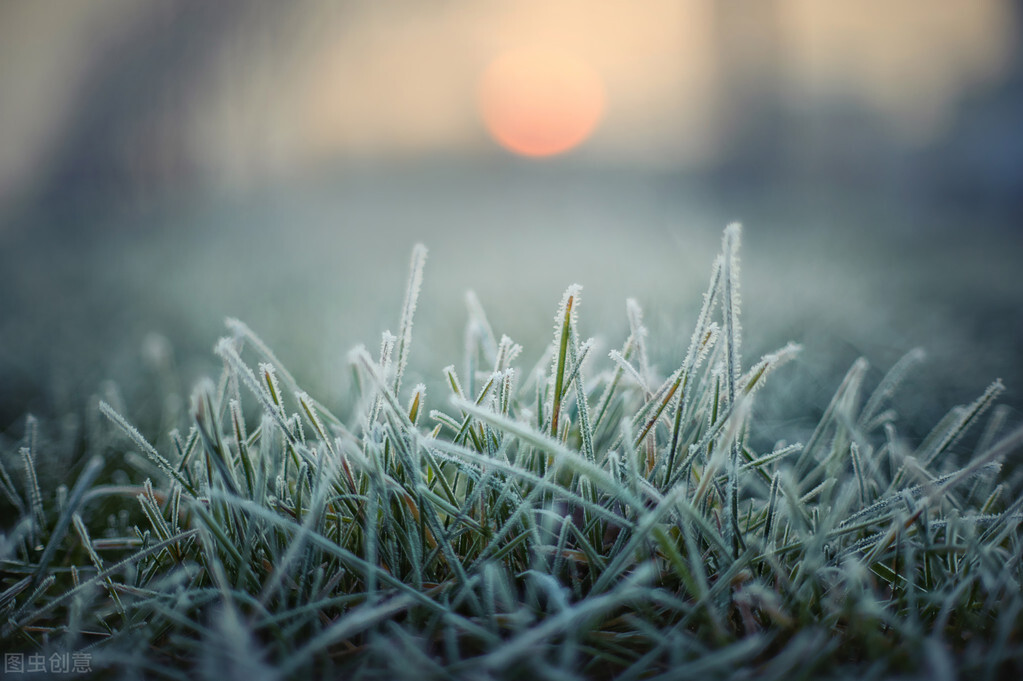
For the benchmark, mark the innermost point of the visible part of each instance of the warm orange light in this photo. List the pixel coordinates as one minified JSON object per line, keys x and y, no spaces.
{"x":540,"y":102}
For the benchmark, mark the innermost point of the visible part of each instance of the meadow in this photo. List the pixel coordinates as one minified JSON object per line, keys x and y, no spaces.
{"x":577,"y":514}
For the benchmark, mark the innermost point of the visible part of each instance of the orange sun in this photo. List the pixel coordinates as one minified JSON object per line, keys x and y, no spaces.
{"x":539,"y":101}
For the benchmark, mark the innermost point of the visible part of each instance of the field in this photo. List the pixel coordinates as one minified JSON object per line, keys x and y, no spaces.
{"x":449,"y":503}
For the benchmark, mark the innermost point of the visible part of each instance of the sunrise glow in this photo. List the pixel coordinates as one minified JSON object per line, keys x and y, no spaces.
{"x":540,"y":102}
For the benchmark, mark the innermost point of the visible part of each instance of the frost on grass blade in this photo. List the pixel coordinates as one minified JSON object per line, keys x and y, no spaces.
{"x":242,"y":331}
{"x":507,"y":352}
{"x":585,"y":428}
{"x":35,"y":497}
{"x":361,"y":359}
{"x":704,"y":338}
{"x":148,"y":449}
{"x":504,"y":401}
{"x":273,"y":388}
{"x":966,"y":418}
{"x":408,"y":310}
{"x":416,"y":403}
{"x":638,"y":334}
{"x":226,"y":350}
{"x":754,"y":378}
{"x":731,"y":306}
{"x":733,"y":364}
{"x":564,"y":322}
{"x":310,"y":411}
{"x":622,"y":365}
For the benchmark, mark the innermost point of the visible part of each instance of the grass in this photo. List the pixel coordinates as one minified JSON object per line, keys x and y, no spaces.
{"x":583,"y":518}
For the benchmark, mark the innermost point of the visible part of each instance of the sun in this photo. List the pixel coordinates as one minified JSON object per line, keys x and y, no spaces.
{"x":540,"y":101}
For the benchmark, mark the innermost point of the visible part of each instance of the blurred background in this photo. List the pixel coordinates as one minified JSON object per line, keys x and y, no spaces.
{"x":166,"y":164}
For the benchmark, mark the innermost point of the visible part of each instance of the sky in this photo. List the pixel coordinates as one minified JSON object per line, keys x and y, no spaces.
{"x":248,"y":91}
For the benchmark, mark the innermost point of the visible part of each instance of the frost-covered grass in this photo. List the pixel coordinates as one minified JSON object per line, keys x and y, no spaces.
{"x":581,"y":517}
